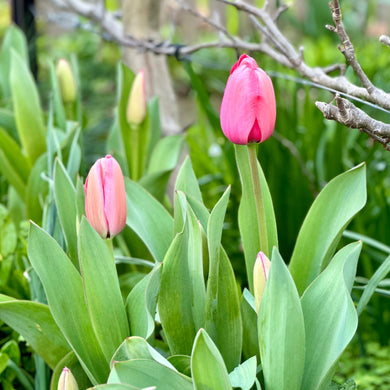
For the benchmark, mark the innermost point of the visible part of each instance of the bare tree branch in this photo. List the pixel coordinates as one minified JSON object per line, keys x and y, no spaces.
{"x":349,"y":115}
{"x":347,"y":49}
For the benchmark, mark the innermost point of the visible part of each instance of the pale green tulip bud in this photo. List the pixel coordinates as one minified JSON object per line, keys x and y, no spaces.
{"x":66,"y":80}
{"x":136,"y":105}
{"x":260,"y":276}
{"x":67,"y":380}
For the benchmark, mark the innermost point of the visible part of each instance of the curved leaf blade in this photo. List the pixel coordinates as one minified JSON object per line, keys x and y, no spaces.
{"x":330,"y":213}
{"x":207,"y":365}
{"x":330,"y":316}
{"x":281,"y":329}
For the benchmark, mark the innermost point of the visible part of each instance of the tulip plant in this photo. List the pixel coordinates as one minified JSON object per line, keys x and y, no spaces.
{"x":186,"y":323}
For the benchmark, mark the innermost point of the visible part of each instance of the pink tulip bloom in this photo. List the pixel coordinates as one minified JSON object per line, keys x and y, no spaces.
{"x":248,"y":110}
{"x":105,"y":197}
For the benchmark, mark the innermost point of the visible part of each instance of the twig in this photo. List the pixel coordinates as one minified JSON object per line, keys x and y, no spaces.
{"x":348,"y":114}
{"x":347,"y":49}
{"x":385,"y":40}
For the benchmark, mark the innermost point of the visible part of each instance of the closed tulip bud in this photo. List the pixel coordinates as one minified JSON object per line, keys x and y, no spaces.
{"x":66,"y":80}
{"x":67,"y":380}
{"x":248,"y":109}
{"x":105,"y":197}
{"x":136,"y":105}
{"x":260,"y":276}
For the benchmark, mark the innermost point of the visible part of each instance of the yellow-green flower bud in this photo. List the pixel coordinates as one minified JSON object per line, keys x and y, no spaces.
{"x":67,"y":380}
{"x":136,"y":105}
{"x":66,"y":80}
{"x":260,"y":276}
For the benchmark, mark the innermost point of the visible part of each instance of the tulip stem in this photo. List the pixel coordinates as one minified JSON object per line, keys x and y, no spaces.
{"x":258,"y":196}
{"x":135,"y":155}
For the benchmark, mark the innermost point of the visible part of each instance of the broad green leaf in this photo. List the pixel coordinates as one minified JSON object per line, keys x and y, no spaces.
{"x":244,"y":375}
{"x":166,"y":154}
{"x":36,"y":191}
{"x":137,"y":348}
{"x":70,"y":361}
{"x":330,"y":317}
{"x":147,"y":373}
{"x":14,"y":39}
{"x":281,"y":329}
{"x":207,"y":365}
{"x":156,"y":183}
{"x":35,"y":323}
{"x":27,"y":108}
{"x":373,"y":283}
{"x":65,"y":293}
{"x":102,"y":292}
{"x":141,"y":304}
{"x":65,"y":198}
{"x":149,"y":220}
{"x":247,"y":217}
{"x":187,"y":182}
{"x":321,"y":230}
{"x":223,"y":318}
{"x":182,"y":294}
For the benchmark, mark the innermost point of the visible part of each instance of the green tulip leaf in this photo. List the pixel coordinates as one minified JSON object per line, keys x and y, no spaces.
{"x":142,"y":302}
{"x":137,"y":348}
{"x":187,"y":182}
{"x":247,"y":217}
{"x":65,"y":198}
{"x":182,"y":293}
{"x":13,"y":163}
{"x":27,"y":108}
{"x":147,"y":373}
{"x":207,"y":365}
{"x":65,"y":294}
{"x":250,"y":341}
{"x":102,"y":291}
{"x":223,"y":319}
{"x":35,"y":323}
{"x":149,"y":220}
{"x":36,"y":190}
{"x":119,"y":386}
{"x":330,"y":317}
{"x":281,"y":329}
{"x":323,"y":226}
{"x":244,"y":375}
{"x":14,"y":39}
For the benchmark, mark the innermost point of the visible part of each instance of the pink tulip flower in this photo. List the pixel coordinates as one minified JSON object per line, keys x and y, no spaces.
{"x":260,"y":276}
{"x":105,"y":197}
{"x":248,"y":110}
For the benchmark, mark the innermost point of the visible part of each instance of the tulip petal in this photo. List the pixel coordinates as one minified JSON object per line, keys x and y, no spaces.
{"x":94,"y":199}
{"x":114,"y":196}
{"x":238,"y":105}
{"x":248,"y":109}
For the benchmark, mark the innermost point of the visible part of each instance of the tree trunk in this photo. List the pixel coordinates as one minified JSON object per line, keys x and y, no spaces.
{"x":141,"y":19}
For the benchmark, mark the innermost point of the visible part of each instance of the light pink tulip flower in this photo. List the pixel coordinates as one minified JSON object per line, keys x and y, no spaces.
{"x":248,"y":110}
{"x":105,"y":197}
{"x":260,"y":276}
